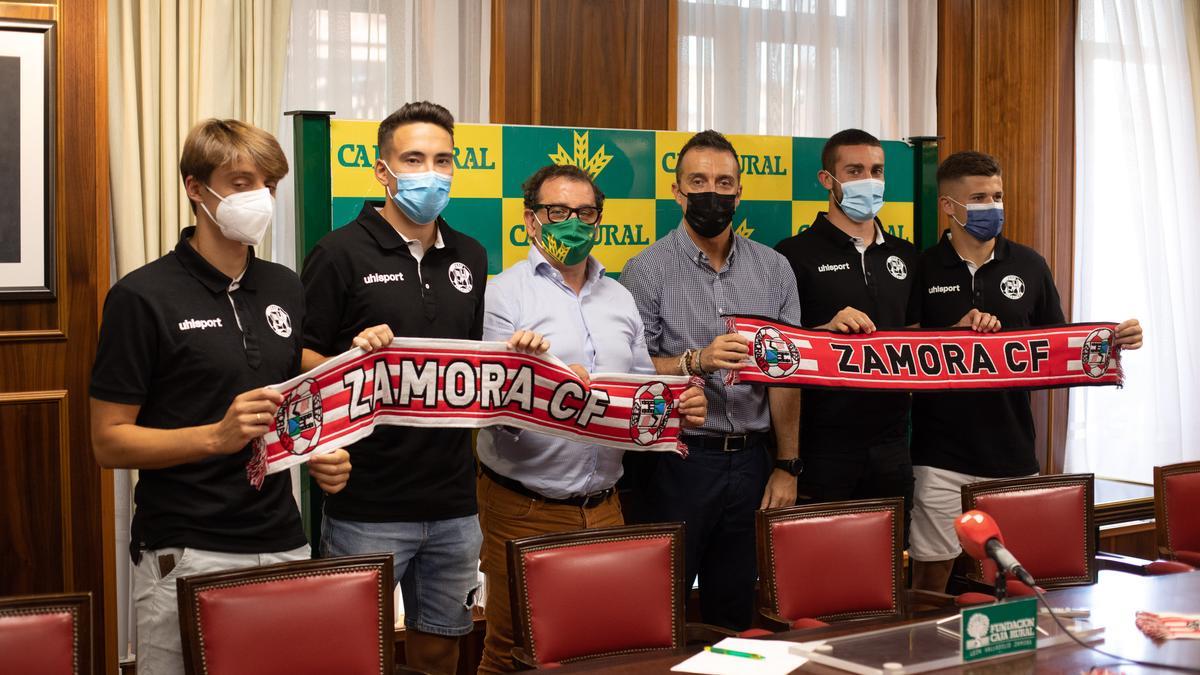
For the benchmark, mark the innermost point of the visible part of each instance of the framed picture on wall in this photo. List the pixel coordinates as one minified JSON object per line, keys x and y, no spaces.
{"x":27,"y":133}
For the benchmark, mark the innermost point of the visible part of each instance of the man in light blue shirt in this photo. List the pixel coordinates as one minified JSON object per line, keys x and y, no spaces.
{"x":534,"y":483}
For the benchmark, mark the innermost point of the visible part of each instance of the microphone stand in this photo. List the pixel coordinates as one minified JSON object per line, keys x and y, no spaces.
{"x":1001,"y":585}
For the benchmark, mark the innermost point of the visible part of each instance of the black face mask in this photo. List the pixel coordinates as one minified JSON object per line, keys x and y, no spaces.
{"x":709,"y":213}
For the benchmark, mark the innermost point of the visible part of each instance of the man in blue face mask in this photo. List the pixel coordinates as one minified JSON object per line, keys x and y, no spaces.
{"x":974,"y":276}
{"x":853,"y":277}
{"x":401,"y":268}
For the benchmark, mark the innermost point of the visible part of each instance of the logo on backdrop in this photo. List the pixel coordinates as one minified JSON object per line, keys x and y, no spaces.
{"x":582,"y":156}
{"x":298,"y":419}
{"x":896,"y":267}
{"x":460,"y":277}
{"x":1013,"y":287}
{"x":279,"y":321}
{"x":775,"y":355}
{"x":650,"y":411}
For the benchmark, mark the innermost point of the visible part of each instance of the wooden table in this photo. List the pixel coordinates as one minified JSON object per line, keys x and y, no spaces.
{"x":1113,"y":602}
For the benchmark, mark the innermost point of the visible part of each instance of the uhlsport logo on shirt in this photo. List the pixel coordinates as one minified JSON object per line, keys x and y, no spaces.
{"x":381,"y":278}
{"x":896,"y":267}
{"x":774,"y":354}
{"x":833,"y":267}
{"x":200,"y":324}
{"x":1013,"y":287}
{"x":279,"y":321}
{"x":299,"y":418}
{"x":650,"y":412}
{"x":934,"y":290}
{"x":1096,"y":352}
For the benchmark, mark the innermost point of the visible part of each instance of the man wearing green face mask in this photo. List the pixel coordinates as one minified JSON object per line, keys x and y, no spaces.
{"x":534,"y":483}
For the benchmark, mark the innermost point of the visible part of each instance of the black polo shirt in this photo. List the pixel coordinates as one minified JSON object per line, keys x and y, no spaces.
{"x":830,"y":275}
{"x":990,"y":433}
{"x":170,"y":342}
{"x":362,"y":275}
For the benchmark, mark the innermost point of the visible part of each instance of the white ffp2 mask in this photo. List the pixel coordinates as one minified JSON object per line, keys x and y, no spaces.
{"x":243,"y":216}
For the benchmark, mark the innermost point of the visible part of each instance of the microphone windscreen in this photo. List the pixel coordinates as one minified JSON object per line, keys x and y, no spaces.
{"x":974,"y":530}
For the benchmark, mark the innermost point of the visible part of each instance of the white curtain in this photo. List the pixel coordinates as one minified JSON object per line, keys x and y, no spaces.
{"x":808,"y":67}
{"x":364,"y":59}
{"x":1137,"y":196}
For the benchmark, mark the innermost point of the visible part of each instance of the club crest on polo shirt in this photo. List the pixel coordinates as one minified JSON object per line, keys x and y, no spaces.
{"x":1096,"y":352}
{"x":775,"y":355}
{"x":460,"y":277}
{"x":649,"y":412}
{"x":896,"y":267}
{"x":1013,"y":287}
{"x":299,"y":418}
{"x":279,"y":321}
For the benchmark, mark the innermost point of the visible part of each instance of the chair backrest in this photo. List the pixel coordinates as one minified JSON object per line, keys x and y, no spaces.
{"x":833,"y":561}
{"x":1176,"y":507}
{"x":46,"y":634}
{"x":597,"y":592}
{"x":1048,"y":523}
{"x":315,"y":616}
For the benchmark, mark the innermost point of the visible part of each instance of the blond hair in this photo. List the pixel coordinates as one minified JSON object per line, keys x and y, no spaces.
{"x":213,"y":143}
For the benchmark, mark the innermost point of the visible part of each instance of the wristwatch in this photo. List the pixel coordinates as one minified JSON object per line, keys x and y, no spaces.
{"x":794,"y":466}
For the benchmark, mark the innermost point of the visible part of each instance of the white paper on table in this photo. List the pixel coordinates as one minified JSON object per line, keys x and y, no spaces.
{"x":778,"y":661}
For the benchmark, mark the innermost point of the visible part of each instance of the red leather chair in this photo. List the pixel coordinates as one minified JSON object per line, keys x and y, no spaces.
{"x":597,"y":592}
{"x":46,"y":634}
{"x":819,"y":563}
{"x":314,"y":616}
{"x":1177,"y":511}
{"x":1048,"y":524}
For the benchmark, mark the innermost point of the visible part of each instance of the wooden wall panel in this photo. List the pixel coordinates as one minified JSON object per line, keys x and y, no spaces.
{"x":56,"y":526}
{"x":597,"y":63}
{"x":33,"y":547}
{"x":1006,"y":87}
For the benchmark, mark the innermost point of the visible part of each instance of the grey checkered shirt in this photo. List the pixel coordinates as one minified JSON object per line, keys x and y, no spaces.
{"x":681,"y":300}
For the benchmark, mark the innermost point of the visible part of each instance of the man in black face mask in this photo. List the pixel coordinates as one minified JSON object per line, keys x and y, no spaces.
{"x":682,"y":285}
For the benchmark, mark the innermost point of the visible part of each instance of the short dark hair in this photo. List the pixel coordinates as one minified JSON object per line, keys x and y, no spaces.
{"x":967,"y":163}
{"x":841,"y":139}
{"x":708,"y":138}
{"x":533,"y":185}
{"x":411,"y":113}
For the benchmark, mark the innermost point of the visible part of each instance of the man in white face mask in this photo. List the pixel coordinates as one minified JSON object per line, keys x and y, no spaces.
{"x":188,"y":344}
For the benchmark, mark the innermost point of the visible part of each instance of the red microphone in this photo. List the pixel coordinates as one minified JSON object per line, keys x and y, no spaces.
{"x":980,"y":537}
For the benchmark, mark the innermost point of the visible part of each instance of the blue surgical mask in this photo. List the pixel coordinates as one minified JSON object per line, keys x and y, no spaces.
{"x":984,"y":221}
{"x":861,"y":199}
{"x":421,"y":196}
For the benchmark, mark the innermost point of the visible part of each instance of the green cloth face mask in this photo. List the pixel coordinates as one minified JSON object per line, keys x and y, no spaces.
{"x":568,"y":242}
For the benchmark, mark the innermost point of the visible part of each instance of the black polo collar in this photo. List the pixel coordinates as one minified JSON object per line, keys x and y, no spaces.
{"x":387,"y":237}
{"x":950,"y":257}
{"x":837,"y":237}
{"x":204,"y":272}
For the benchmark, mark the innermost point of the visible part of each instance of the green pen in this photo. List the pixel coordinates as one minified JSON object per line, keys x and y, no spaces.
{"x":730,"y":652}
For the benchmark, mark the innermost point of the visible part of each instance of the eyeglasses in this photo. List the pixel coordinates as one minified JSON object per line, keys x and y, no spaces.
{"x":557,"y":213}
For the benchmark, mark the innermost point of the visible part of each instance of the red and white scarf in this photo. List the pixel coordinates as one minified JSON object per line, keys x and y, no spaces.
{"x":1073,"y":355}
{"x":463,"y":383}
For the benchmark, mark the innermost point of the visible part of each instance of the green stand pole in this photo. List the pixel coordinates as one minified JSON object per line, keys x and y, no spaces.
{"x":925,"y":195}
{"x":310,"y":146}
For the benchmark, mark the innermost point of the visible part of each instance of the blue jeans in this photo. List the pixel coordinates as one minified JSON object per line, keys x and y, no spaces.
{"x":436,"y":564}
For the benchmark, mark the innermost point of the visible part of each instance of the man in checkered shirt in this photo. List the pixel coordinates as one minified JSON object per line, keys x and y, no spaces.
{"x":683,"y":284}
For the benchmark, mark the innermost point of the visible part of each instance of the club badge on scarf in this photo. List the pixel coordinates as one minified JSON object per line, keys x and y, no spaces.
{"x":463,"y":383}
{"x":929,"y":360}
